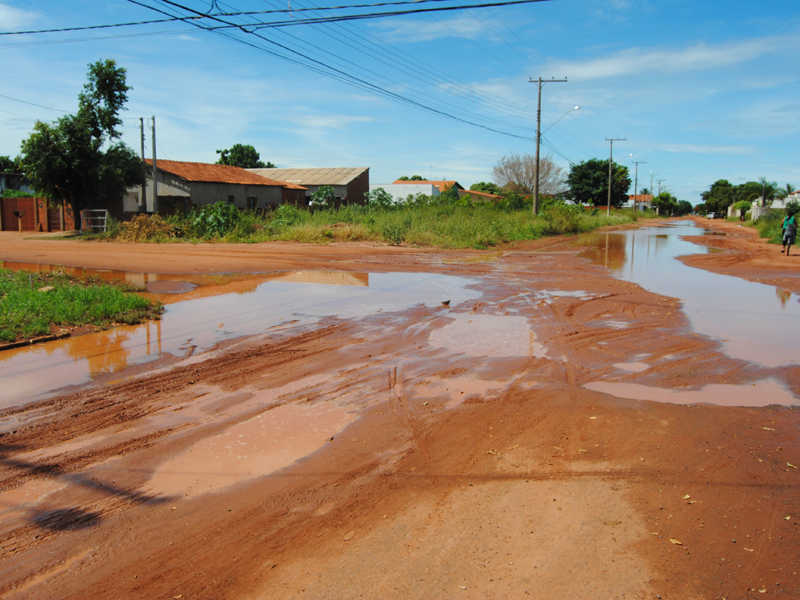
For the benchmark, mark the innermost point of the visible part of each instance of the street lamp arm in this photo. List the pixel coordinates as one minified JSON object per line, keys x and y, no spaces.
{"x":559,"y":118}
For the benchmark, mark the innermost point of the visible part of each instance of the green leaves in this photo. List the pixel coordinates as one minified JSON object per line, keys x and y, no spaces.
{"x":214,"y":220}
{"x":244,"y":156}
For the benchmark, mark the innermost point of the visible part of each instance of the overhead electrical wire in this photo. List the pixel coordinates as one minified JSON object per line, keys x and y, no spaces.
{"x":317,"y":65}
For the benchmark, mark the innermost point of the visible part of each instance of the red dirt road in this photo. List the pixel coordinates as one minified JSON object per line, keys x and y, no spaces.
{"x":426,"y":470}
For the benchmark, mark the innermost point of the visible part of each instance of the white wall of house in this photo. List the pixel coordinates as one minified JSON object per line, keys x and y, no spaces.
{"x":202,"y":193}
{"x":401,"y":191}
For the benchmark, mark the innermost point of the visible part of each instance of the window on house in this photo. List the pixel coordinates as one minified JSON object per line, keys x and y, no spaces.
{"x":252,"y":202}
{"x":230,"y":199}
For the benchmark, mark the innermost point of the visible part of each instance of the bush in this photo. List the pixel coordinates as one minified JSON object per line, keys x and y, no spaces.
{"x":213,"y":220}
{"x":17,"y":194}
{"x":144,"y":228}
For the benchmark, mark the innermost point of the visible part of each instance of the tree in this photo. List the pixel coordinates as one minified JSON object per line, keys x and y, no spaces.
{"x":768,"y":190}
{"x":412,"y":178}
{"x":588,"y":183}
{"x":684,"y":208}
{"x":487,"y":188}
{"x":517,"y":173}
{"x":379,"y":198}
{"x":324,"y":197}
{"x":785,"y":191}
{"x":244,"y":156}
{"x":743,"y":206}
{"x":719,"y":196}
{"x":10,"y":165}
{"x":66,"y":159}
{"x":666,"y":204}
{"x":644,"y":192}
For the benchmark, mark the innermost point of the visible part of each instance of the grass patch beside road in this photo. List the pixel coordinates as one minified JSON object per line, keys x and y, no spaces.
{"x":26,"y":311}
{"x":428,"y":225}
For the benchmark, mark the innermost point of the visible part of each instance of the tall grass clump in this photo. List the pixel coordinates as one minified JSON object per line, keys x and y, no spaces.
{"x":28,"y":308}
{"x":442,"y":221}
{"x":769,"y":226}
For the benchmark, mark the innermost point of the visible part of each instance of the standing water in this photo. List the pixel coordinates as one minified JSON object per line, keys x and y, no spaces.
{"x":753,"y":321}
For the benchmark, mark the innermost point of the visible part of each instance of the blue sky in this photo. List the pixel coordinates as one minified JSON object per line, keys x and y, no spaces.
{"x":701,"y":90}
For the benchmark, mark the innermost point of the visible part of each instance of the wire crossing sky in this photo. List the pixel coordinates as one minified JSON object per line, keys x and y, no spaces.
{"x":436,"y":88}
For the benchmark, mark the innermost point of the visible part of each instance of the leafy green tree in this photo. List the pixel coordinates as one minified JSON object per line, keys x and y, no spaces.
{"x":412,"y":178}
{"x":666,"y":203}
{"x":324,"y":197}
{"x":719,"y":196}
{"x":743,"y":206}
{"x":10,"y":165}
{"x":644,"y":192}
{"x":379,"y":198}
{"x":242,"y":155}
{"x":488,"y":188}
{"x":684,"y":208}
{"x":79,"y":157}
{"x":588,"y":183}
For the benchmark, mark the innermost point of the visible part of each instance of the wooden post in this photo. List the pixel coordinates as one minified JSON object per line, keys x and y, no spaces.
{"x":61,"y":215}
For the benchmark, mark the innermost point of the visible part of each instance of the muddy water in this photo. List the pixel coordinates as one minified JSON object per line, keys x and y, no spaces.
{"x":763,"y":393}
{"x":210,"y":314}
{"x":752,"y":321}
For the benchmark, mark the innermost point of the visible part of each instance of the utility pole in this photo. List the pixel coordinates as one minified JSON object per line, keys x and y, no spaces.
{"x":155,"y":171}
{"x":636,"y":180}
{"x":651,"y":183}
{"x":660,"y":181}
{"x":610,"y":162}
{"x":142,"y":207}
{"x":540,"y":81}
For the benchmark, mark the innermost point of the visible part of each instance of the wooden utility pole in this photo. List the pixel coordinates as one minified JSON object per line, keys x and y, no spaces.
{"x":610,"y":162}
{"x":142,"y":206}
{"x":540,"y":81}
{"x":155,"y":171}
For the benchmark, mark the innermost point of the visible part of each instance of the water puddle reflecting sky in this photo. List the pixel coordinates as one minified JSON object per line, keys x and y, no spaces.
{"x":754,"y":322}
{"x":210,"y":314}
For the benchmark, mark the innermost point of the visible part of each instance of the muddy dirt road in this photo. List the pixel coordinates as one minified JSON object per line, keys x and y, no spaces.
{"x":351,"y":421}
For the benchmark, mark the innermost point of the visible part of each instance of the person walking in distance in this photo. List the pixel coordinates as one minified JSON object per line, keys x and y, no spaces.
{"x":789,"y":229}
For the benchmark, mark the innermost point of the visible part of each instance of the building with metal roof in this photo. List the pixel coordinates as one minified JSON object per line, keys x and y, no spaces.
{"x":350,"y":184}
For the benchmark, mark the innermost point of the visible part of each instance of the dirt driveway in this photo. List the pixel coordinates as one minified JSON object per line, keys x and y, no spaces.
{"x":392,"y":456}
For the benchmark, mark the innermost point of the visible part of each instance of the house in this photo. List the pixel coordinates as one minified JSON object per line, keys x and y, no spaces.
{"x":350,"y":184}
{"x":183,"y":185}
{"x":442,"y":186}
{"x":640,"y":201}
{"x":475,"y":196}
{"x":781,"y":202}
{"x":400,"y":193}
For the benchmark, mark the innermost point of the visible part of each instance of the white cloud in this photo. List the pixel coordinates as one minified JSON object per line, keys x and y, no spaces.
{"x":12,"y":18}
{"x":188,"y":38}
{"x":703,"y":149}
{"x":407,"y":30}
{"x":636,"y":61}
{"x":328,"y":121}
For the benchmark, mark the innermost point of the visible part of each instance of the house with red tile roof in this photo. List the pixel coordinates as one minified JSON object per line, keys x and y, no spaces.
{"x":184,"y":185}
{"x":640,"y":201}
{"x":442,"y":186}
{"x":475,"y":196}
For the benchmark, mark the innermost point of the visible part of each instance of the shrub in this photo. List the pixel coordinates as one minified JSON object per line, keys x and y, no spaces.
{"x":213,"y":220}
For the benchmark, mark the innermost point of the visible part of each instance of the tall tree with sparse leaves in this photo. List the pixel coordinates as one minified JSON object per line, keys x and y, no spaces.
{"x":79,"y":158}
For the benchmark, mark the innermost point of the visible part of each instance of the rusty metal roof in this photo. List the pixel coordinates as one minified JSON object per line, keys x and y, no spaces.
{"x":327,"y":176}
{"x":191,"y":171}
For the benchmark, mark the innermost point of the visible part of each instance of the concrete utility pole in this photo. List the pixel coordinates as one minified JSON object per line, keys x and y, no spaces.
{"x":540,"y":81}
{"x":155,"y":171}
{"x":142,"y":206}
{"x":651,"y":183}
{"x":660,"y":181}
{"x":610,"y":162}
{"x":636,"y":180}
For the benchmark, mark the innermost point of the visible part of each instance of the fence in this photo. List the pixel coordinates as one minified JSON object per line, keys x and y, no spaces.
{"x":94,"y":221}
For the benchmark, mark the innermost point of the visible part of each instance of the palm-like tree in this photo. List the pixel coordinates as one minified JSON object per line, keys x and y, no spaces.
{"x":785,"y":191}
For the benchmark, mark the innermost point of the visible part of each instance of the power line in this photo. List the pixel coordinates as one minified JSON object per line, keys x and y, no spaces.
{"x":32,"y":104}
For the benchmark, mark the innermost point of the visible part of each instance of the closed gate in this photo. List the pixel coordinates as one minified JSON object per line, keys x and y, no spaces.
{"x":16,"y":210}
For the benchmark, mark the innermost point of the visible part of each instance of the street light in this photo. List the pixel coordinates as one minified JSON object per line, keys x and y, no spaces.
{"x":561,"y":117}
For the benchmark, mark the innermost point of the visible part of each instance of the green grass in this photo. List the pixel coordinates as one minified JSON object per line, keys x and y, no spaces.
{"x":428,"y":225}
{"x":26,"y":312}
{"x":769,"y":226}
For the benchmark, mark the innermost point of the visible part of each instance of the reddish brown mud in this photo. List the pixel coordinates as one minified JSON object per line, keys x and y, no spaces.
{"x":438,"y":451}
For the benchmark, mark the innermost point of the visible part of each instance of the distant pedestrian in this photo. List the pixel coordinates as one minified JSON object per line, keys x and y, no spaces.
{"x":789,"y":231}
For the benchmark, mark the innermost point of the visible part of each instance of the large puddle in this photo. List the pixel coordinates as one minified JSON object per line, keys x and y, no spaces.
{"x":753,"y":321}
{"x":214,"y":309}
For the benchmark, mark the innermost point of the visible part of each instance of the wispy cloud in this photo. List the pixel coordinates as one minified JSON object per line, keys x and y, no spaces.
{"x":188,"y":38}
{"x":12,"y":18}
{"x":328,"y":121}
{"x":635,"y":61}
{"x":407,"y":30}
{"x":703,"y":149}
